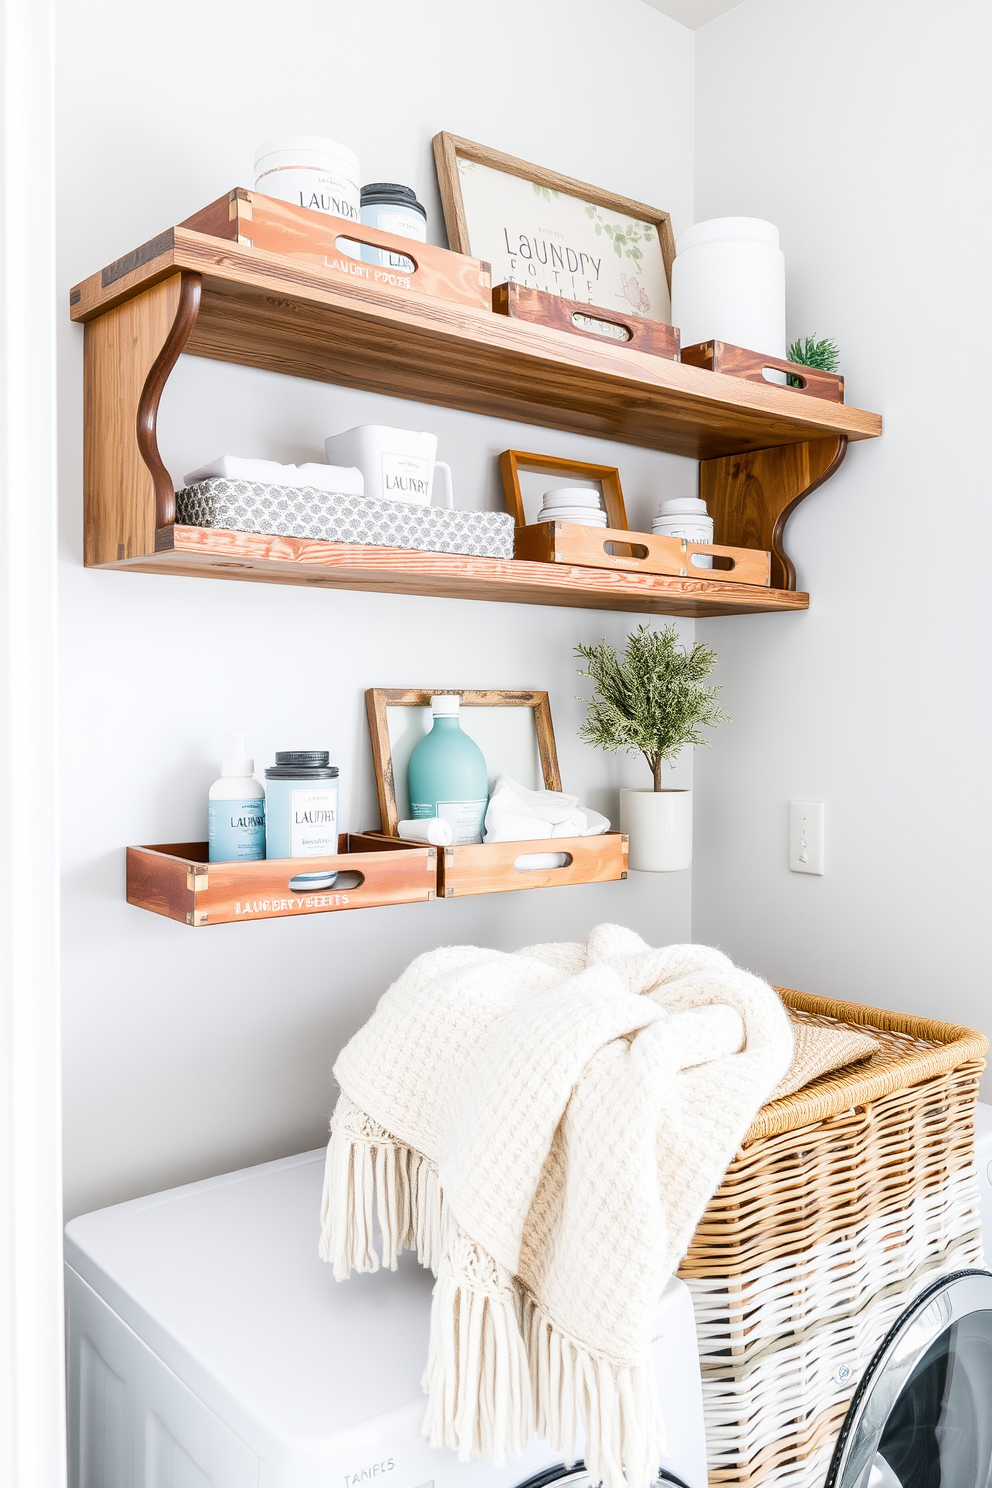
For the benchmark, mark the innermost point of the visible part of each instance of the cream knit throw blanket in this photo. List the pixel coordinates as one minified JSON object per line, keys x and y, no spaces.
{"x":546,"y":1129}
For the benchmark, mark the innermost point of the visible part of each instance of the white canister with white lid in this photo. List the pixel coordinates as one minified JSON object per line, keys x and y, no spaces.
{"x":310,"y":172}
{"x":728,"y":284}
{"x":576,"y":504}
{"x":686,"y":517}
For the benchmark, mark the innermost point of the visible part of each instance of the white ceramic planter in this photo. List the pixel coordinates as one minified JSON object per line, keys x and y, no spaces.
{"x":659,"y":825}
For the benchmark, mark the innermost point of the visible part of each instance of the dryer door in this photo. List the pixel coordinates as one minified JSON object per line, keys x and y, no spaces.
{"x":922,"y":1415}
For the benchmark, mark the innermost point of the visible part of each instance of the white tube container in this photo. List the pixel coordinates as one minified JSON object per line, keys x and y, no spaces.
{"x":659,"y":825}
{"x":310,"y":172}
{"x":728,"y":284}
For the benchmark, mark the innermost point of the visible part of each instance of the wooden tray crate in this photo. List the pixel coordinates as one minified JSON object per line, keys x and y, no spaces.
{"x":257,"y":221}
{"x":615,"y":547}
{"x":522,"y":302}
{"x":175,"y":879}
{"x":490,"y":867}
{"x":737,"y":361}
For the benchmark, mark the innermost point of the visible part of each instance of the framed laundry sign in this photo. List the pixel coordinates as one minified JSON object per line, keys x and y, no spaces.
{"x":541,"y":229}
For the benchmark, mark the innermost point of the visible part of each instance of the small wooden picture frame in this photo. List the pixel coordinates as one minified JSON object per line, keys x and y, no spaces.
{"x":540,"y":228}
{"x":379,"y":699}
{"x":511,"y":462}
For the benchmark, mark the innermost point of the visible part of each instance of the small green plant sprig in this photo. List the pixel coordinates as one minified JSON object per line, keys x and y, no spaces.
{"x":652,"y":699}
{"x":823,"y":355}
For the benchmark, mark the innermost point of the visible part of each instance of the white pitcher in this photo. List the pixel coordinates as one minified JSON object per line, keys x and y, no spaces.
{"x":398,"y":464}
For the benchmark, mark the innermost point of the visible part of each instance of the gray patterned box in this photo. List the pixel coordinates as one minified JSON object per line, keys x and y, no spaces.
{"x":304,"y":511}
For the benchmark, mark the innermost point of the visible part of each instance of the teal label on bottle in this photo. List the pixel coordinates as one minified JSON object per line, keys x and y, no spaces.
{"x":236,"y":830}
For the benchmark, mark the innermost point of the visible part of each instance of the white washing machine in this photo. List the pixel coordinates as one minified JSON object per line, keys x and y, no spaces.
{"x":209,"y":1347}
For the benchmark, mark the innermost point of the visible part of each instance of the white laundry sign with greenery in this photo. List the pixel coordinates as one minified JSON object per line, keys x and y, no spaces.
{"x":536,"y":236}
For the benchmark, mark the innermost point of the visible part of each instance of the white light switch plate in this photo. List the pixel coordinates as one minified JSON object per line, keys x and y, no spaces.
{"x":806,"y":836}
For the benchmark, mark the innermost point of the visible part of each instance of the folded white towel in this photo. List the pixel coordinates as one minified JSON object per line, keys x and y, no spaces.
{"x":516,"y":814}
{"x":345,"y":480}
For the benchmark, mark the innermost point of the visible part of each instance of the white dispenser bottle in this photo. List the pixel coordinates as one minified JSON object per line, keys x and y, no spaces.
{"x":236,"y":809}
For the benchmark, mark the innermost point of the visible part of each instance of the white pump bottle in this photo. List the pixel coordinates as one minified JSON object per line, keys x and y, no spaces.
{"x":236,"y":809}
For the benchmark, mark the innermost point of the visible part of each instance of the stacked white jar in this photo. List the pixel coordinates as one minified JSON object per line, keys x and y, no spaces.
{"x":576,"y":504}
{"x":686,"y":517}
{"x":310,"y":172}
{"x":728,"y":284}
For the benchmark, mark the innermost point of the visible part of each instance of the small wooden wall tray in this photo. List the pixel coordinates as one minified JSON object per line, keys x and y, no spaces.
{"x":397,"y":264}
{"x":735,"y":361}
{"x":615,"y":547}
{"x":521,"y":302}
{"x":500,"y":867}
{"x":175,"y":879}
{"x":496,"y":867}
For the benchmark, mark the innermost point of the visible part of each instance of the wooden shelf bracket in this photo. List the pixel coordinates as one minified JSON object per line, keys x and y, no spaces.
{"x":129,"y":353}
{"x":751,"y":496}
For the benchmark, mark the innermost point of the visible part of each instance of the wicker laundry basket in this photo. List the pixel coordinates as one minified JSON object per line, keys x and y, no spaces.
{"x":845,"y":1200}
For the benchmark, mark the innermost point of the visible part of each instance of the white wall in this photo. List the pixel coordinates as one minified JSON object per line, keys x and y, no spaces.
{"x":862,"y":130}
{"x":189,"y":1052}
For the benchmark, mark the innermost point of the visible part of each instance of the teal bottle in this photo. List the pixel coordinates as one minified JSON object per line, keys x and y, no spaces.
{"x":447,"y":774}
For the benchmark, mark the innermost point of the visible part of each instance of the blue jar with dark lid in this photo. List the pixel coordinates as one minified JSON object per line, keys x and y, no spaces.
{"x":301,"y":805}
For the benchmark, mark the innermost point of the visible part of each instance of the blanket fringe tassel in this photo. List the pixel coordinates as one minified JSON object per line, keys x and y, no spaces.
{"x":369,"y":1177}
{"x":616,"y":1404}
{"x":497,"y":1369}
{"x":477,"y":1376}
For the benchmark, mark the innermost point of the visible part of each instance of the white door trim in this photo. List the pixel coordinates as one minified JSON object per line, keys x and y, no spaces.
{"x":32,"y":1433}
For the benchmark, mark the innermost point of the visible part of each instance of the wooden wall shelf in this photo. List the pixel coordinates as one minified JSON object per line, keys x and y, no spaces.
{"x":762,"y":447}
{"x":201,"y":552}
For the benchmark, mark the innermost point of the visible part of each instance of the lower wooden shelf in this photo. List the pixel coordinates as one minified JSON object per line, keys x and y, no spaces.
{"x":177,"y":880}
{"x":216,"y":553}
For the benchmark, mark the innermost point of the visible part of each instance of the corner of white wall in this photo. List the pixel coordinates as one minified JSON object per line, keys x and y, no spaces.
{"x":32,"y":1434}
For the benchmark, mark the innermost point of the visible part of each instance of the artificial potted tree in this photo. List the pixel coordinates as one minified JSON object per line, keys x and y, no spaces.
{"x":651,"y":700}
